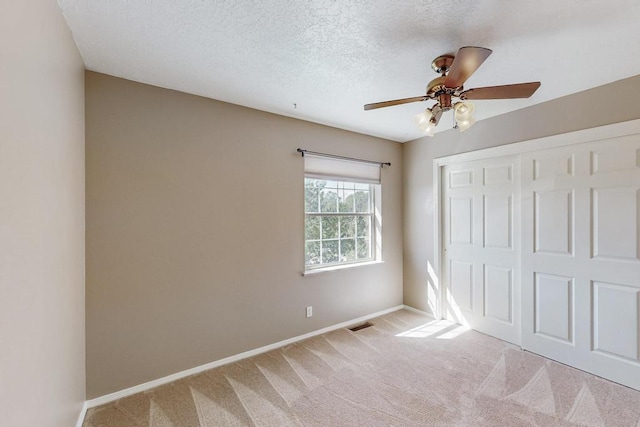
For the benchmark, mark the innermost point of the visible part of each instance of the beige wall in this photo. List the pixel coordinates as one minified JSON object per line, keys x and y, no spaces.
{"x":42,"y":374}
{"x":616,"y":102}
{"x":195,"y":232}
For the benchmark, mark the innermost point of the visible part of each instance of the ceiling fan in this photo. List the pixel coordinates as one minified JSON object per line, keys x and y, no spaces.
{"x":455,"y":70}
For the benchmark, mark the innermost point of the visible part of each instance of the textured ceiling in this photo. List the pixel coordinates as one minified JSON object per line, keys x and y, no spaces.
{"x":322,"y":60}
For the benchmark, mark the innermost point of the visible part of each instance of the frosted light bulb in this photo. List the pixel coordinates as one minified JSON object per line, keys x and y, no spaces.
{"x":463,"y":110}
{"x":430,"y":129}
{"x":466,"y":124}
{"x":423,"y":120}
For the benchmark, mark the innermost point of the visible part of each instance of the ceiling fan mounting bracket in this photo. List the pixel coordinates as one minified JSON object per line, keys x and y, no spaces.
{"x":442,"y":64}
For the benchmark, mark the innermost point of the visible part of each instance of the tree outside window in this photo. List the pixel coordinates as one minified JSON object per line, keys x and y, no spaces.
{"x":338,"y":222}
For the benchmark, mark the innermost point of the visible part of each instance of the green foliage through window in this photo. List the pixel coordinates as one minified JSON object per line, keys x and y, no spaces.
{"x":338,"y":221}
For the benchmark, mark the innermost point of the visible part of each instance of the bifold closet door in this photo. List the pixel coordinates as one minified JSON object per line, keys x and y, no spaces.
{"x":581,"y":256}
{"x":480,"y":217}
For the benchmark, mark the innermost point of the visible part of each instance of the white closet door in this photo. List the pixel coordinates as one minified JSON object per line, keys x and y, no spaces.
{"x":480,"y":214}
{"x":581,"y":256}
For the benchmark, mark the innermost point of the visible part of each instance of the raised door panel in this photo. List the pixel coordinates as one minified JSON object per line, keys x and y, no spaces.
{"x":461,"y":285}
{"x":498,"y":293}
{"x":497,"y":174}
{"x":553,"y":222}
{"x":622,"y":158}
{"x":554,"y":307}
{"x":498,"y":221}
{"x":461,"y":220}
{"x":616,"y":320}
{"x":616,"y":232}
{"x":461,"y":178}
{"x":545,"y":168}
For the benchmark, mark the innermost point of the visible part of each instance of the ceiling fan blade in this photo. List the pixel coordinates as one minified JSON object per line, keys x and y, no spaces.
{"x":394,"y":102}
{"x":466,"y":62}
{"x":520,"y":90}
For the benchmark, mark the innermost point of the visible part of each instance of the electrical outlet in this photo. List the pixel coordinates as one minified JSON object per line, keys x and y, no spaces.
{"x":309,"y":311}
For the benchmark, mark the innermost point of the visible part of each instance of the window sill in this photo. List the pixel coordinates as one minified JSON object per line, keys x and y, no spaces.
{"x":339,"y":267}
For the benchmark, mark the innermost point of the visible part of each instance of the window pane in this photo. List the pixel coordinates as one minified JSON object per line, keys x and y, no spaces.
{"x":312,"y":253}
{"x":330,"y":227}
{"x":312,"y":228}
{"x":364,"y":226}
{"x":311,"y":199}
{"x":348,"y":226}
{"x":329,"y":200}
{"x":362,"y":201}
{"x":312,"y":188}
{"x":347,"y":250}
{"x":346,"y":201}
{"x":364,"y":250}
{"x":329,"y":251}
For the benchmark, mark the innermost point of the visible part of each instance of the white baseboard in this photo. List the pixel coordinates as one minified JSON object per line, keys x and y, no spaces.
{"x":183,"y":374}
{"x":83,"y":413}
{"x":415,"y":310}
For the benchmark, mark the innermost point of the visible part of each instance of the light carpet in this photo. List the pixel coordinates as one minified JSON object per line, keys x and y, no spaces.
{"x":405,"y":370}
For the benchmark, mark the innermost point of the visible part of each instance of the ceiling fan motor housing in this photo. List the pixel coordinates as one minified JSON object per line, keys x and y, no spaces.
{"x":436,"y":86}
{"x":445,"y":101}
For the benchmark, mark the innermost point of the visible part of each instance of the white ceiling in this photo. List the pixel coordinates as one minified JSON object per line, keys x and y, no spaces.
{"x":322,"y":60}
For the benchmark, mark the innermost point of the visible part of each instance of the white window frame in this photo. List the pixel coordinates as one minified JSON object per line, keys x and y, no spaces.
{"x":375,"y":232}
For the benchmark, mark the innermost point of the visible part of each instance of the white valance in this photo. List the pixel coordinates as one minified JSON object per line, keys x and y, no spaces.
{"x":341,"y":169}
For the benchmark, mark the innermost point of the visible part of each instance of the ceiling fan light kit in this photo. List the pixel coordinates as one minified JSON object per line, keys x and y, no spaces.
{"x":463,"y":113}
{"x":455,"y":70}
{"x":425,"y":123}
{"x":463,"y":110}
{"x":463,"y":125}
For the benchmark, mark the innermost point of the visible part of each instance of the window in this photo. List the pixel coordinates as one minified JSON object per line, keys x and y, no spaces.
{"x":339,"y":218}
{"x":343,"y":220}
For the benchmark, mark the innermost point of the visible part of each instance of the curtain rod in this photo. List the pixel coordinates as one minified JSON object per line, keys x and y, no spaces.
{"x":333,"y":156}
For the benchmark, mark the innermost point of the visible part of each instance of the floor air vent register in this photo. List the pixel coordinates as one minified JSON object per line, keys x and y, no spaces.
{"x":362,"y":326}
